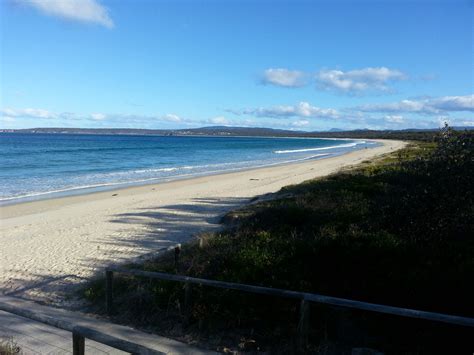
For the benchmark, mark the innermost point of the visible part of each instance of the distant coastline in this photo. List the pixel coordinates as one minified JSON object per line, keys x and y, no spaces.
{"x":226,"y":131}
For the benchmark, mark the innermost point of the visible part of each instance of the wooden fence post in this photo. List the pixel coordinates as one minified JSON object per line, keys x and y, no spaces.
{"x":78,"y":344}
{"x":201,"y":242}
{"x":303,"y":326}
{"x":109,"y":277}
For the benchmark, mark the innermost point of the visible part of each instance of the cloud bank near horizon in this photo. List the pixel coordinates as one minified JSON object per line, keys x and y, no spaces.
{"x":11,"y":115}
{"x":433,"y":111}
{"x":428,"y":106}
{"x":302,"y":109}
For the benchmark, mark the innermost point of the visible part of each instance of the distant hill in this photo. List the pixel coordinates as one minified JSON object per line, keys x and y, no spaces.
{"x":237,"y":131}
{"x":204,"y":131}
{"x":405,"y":134}
{"x":224,"y":131}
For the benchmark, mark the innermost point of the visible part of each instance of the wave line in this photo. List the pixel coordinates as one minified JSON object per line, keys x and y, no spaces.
{"x":317,"y":149}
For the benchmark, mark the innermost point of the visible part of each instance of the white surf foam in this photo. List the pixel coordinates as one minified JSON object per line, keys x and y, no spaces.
{"x":317,"y":149}
{"x":149,"y":180}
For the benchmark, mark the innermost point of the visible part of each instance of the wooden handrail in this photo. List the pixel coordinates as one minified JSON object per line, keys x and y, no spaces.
{"x":79,"y":333}
{"x":309,"y":297}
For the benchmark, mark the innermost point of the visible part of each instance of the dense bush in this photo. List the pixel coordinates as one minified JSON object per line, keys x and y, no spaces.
{"x":394,"y":235}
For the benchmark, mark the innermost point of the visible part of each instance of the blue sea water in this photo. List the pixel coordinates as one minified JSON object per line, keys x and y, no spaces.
{"x":36,"y":166}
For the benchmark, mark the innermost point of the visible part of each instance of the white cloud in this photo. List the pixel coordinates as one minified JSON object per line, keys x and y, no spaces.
{"x":221,"y":120}
{"x":358,"y":80}
{"x":284,"y":77}
{"x":28,"y":112}
{"x":401,"y":106}
{"x":302,"y":109}
{"x":454,"y":103}
{"x":98,"y":116}
{"x":426,"y":106}
{"x":300,"y":123}
{"x":170,"y":117}
{"x":394,"y":119}
{"x":89,"y":11}
{"x":118,"y":119}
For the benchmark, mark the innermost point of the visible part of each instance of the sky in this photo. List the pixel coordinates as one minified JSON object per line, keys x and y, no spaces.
{"x":300,"y":65}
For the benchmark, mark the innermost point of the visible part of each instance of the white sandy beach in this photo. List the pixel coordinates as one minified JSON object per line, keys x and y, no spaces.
{"x":49,"y":246}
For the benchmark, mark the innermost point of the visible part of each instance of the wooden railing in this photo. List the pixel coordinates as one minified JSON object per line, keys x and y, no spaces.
{"x":80,"y":333}
{"x":304,"y":297}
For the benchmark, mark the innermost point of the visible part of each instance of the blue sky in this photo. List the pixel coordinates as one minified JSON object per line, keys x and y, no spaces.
{"x":309,"y":65}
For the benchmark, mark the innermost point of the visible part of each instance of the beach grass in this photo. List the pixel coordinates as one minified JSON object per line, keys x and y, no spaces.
{"x":396,"y":230}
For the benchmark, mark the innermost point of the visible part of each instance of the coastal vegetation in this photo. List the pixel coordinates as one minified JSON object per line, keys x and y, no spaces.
{"x":397,"y":230}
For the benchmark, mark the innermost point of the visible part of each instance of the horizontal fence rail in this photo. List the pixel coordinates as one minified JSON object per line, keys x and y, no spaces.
{"x":303,"y":296}
{"x":80,"y":333}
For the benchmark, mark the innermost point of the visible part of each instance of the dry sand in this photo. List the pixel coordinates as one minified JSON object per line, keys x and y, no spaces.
{"x":50,"y":246}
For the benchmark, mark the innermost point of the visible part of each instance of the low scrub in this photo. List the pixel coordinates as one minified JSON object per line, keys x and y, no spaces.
{"x":396,"y":231}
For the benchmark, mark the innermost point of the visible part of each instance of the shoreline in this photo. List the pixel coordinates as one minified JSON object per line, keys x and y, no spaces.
{"x":7,"y":205}
{"x":52,"y":245}
{"x":116,"y":186}
{"x":119,"y":186}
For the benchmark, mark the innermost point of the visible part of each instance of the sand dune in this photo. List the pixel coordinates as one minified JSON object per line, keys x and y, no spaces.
{"x":48,"y":247}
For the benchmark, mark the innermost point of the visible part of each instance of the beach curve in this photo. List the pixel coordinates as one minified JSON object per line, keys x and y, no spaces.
{"x":49,"y":247}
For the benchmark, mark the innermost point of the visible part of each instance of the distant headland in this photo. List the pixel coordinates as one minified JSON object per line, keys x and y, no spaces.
{"x":238,"y":131}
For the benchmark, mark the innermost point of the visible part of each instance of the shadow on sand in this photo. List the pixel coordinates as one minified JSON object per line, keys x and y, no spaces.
{"x":146,"y":232}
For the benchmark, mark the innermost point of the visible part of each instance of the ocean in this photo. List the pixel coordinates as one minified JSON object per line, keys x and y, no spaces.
{"x":38,"y":166}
